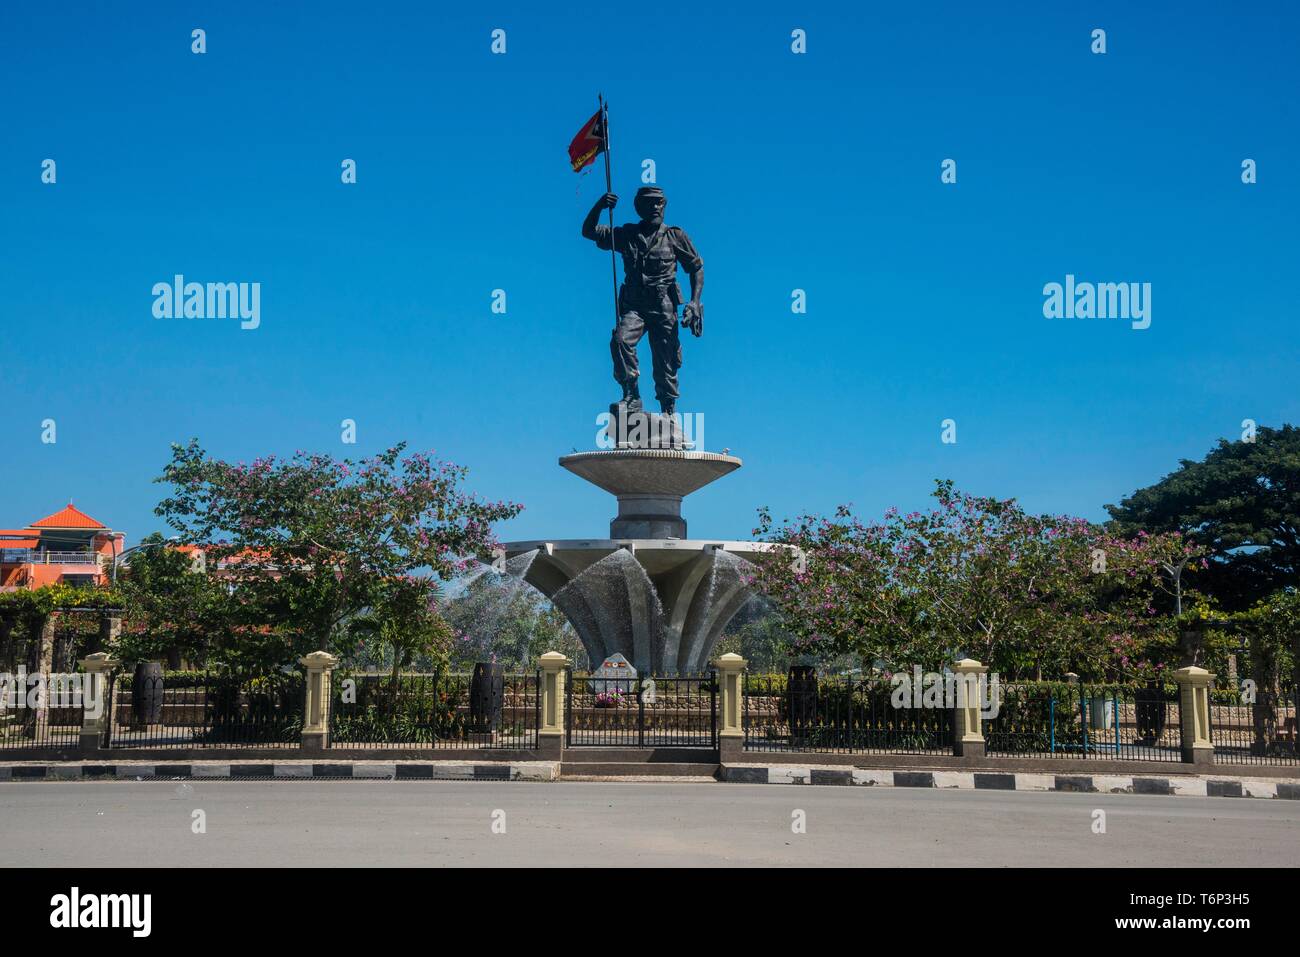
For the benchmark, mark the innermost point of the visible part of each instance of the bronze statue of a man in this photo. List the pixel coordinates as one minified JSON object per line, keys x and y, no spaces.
{"x":649,"y":296}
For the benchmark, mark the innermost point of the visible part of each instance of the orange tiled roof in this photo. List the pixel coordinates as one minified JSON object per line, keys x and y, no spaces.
{"x":7,"y":542}
{"x":243,"y":555}
{"x":69,"y":517}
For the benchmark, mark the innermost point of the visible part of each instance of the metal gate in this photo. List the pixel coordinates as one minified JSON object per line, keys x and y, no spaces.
{"x":655,"y":712}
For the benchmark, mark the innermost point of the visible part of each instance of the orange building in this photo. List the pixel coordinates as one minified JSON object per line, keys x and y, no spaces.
{"x":68,"y":546}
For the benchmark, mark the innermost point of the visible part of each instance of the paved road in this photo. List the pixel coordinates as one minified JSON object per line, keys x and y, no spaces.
{"x":643,"y":824}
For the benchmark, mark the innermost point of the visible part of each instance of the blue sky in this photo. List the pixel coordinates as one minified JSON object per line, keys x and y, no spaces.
{"x":818,"y":171}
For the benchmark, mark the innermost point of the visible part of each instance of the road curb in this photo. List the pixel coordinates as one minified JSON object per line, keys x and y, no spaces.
{"x":812,"y":775}
{"x":1184,"y":785}
{"x":282,"y":771}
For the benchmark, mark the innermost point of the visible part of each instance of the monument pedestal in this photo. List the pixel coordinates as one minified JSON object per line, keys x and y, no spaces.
{"x":649,"y":485}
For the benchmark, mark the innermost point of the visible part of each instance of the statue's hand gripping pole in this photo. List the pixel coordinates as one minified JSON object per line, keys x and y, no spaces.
{"x":693,"y":318}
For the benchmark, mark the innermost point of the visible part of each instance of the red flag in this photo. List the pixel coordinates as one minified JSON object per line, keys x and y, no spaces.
{"x":587,"y":145}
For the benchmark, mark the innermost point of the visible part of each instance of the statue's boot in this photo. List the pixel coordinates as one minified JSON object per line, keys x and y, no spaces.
{"x":632,"y":396}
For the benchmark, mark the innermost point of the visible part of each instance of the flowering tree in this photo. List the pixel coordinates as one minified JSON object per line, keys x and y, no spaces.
{"x":1101,"y":604}
{"x":310,"y":541}
{"x":845,"y":596}
{"x":973,"y":576}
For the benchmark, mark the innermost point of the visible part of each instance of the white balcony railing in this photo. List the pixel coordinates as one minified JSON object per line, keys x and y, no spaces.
{"x":40,"y":556}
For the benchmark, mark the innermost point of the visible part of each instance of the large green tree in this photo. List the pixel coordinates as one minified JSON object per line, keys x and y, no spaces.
{"x":174,"y":607}
{"x":402,"y":627}
{"x":1242,"y":504}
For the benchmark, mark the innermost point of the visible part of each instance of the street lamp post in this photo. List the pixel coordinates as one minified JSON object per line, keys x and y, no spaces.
{"x":135,"y":548}
{"x":1176,"y":573}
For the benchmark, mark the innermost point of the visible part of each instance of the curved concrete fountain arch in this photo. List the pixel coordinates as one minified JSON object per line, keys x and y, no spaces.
{"x":648,"y":592}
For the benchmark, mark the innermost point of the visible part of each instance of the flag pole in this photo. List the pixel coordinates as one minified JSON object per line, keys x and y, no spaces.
{"x":613,"y":258}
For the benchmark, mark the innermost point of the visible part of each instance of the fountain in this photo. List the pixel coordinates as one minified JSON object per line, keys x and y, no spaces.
{"x":648,"y":591}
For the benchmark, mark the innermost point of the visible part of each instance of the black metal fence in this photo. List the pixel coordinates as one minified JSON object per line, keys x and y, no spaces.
{"x":1254,"y":728}
{"x":1082,"y":721}
{"x":838,"y":714}
{"x":490,"y":710}
{"x":641,"y":712}
{"x":206,"y":710}
{"x":29,"y":721}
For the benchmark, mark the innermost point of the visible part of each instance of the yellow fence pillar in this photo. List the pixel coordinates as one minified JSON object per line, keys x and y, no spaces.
{"x":95,"y":716}
{"x":1194,"y":714}
{"x":967,"y":725}
{"x":731,"y":694}
{"x":316,"y":714}
{"x":550,"y":736}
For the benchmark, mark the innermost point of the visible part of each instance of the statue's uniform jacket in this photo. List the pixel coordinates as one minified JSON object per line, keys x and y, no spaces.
{"x":648,"y":300}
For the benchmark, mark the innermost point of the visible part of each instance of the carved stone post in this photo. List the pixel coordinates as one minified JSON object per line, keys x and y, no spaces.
{"x":967,"y":727}
{"x":315,"y":719}
{"x":550,"y":736}
{"x":1194,"y":714}
{"x":96,"y":716}
{"x":731,"y":693}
